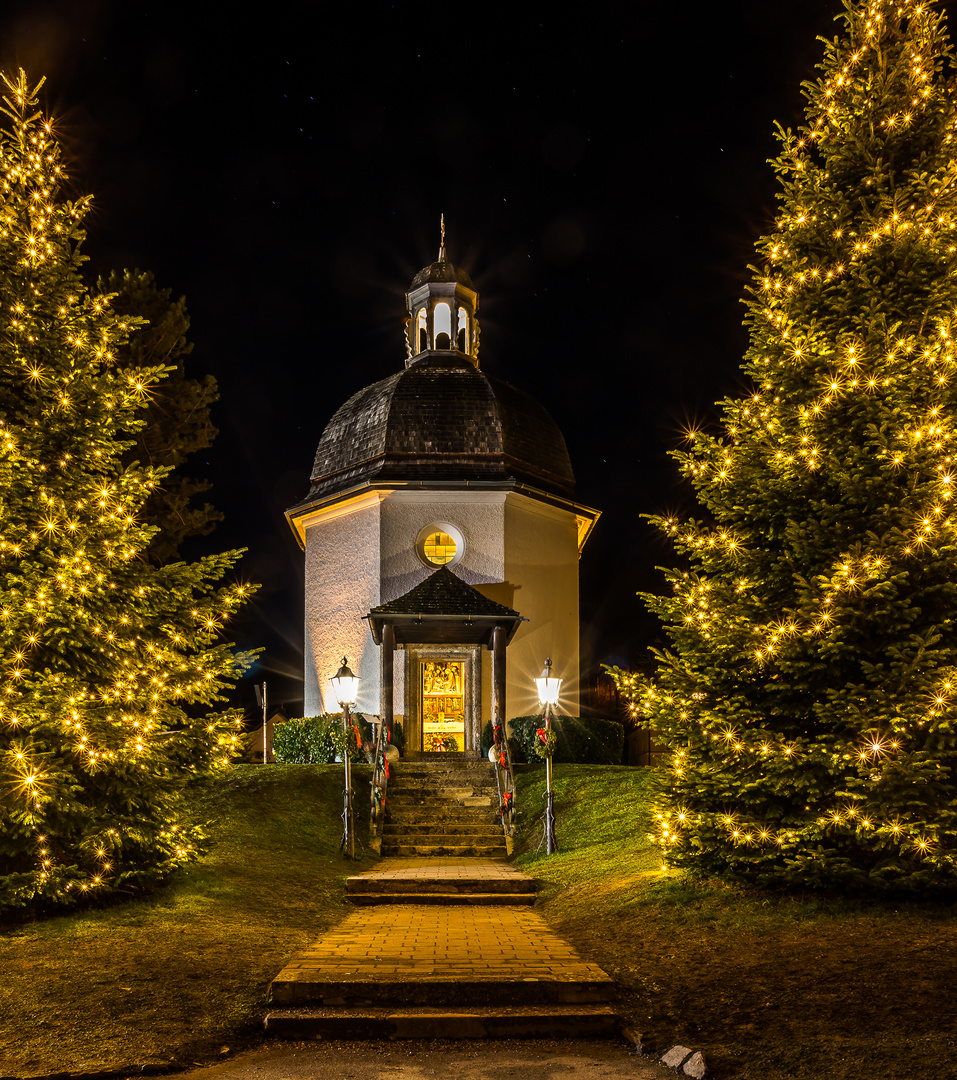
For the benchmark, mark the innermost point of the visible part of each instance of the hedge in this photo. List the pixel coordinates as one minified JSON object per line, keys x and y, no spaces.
{"x":314,"y":740}
{"x":580,"y":740}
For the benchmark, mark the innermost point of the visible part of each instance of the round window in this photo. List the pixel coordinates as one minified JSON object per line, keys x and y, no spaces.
{"x":439,"y":548}
{"x":440,"y":544}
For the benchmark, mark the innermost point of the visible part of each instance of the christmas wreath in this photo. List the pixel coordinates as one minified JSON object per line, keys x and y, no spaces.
{"x":545,"y":742}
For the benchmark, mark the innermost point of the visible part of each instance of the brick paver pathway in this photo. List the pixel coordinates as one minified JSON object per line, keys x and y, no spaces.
{"x":394,"y":942}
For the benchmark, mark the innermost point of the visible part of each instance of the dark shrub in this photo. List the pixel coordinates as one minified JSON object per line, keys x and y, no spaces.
{"x":581,"y":740}
{"x":488,"y":738}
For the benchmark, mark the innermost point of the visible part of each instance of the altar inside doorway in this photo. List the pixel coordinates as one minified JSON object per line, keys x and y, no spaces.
{"x":443,"y":705}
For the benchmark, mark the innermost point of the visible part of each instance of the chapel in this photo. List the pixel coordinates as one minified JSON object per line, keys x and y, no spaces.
{"x":441,"y":536}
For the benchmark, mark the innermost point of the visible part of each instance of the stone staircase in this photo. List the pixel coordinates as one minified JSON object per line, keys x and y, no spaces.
{"x":447,"y":808}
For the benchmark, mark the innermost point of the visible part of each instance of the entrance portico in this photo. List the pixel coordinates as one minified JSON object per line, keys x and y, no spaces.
{"x":441,"y":627}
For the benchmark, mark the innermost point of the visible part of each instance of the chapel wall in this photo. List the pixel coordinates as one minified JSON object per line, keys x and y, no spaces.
{"x":342,"y":585}
{"x":541,"y":558}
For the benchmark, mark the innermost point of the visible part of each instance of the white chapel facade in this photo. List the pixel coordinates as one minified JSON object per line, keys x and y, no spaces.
{"x":441,"y":466}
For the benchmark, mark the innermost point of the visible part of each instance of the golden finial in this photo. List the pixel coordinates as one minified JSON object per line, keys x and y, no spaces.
{"x":442,"y":238}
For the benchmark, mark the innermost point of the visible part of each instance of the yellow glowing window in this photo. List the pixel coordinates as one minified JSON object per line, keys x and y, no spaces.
{"x":439,"y":548}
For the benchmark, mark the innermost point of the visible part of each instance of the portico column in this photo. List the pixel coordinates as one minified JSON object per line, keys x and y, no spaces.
{"x":386,"y":704}
{"x":498,"y":679}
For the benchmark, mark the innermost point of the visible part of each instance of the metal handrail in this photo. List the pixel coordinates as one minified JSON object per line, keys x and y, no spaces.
{"x":505,"y":781}
{"x":380,"y":783}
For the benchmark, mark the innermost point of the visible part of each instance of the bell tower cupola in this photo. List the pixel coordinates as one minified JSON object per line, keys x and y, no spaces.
{"x":442,"y":305}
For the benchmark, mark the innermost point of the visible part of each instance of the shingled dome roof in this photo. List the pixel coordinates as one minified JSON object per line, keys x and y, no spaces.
{"x":441,"y":271}
{"x":442,"y":419}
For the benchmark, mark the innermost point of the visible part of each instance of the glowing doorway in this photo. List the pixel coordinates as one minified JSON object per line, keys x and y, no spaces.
{"x":443,"y":705}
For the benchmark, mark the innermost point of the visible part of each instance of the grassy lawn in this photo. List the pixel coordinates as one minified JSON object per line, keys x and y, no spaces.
{"x":769,"y":987}
{"x":179,"y":976}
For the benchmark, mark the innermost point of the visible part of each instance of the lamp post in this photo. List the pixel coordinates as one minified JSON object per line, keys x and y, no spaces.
{"x":548,"y":690}
{"x":261,"y":698}
{"x":345,"y":686}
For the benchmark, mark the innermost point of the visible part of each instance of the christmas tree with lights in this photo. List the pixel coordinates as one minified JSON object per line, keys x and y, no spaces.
{"x":809,"y":694}
{"x":106,"y":662}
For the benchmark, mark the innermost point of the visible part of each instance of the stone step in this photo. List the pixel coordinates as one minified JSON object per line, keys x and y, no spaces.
{"x":474,"y":802}
{"x":400,"y":835}
{"x":441,"y":828}
{"x":439,"y":799}
{"x":420,"y":791}
{"x":443,"y":807}
{"x":426,"y":899}
{"x":440,"y":990}
{"x":448,"y":791}
{"x":457,"y":791}
{"x":450,"y":780}
{"x":480,"y":774}
{"x":452,"y":784}
{"x":413,"y":885}
{"x":455,"y":815}
{"x":415,"y":814}
{"x":408,"y":848}
{"x":476,"y":1022}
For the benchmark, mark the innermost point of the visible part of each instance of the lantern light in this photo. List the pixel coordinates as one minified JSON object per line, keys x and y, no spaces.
{"x":548,"y":687}
{"x":345,"y":685}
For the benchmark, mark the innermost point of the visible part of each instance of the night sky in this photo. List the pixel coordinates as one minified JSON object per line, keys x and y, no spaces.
{"x":603,"y":177}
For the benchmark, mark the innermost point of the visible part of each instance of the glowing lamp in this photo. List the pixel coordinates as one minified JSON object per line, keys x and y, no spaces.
{"x":548,"y":687}
{"x":548,"y":691}
{"x":345,"y":685}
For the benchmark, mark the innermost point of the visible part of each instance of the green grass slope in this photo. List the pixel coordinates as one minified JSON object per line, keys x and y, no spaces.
{"x":179,"y":976}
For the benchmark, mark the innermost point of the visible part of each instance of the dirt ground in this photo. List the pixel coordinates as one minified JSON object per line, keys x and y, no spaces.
{"x":508,"y":1060}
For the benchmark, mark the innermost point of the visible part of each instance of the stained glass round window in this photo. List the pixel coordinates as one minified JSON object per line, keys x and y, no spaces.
{"x":440,"y":544}
{"x":439,"y":548}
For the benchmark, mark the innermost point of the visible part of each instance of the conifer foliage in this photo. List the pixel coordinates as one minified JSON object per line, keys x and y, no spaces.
{"x":105,"y":661}
{"x":177,"y":420}
{"x":809,"y":695}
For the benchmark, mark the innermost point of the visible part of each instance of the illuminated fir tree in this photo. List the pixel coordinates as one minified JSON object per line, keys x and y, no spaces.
{"x":105,"y":661}
{"x":810,"y":692}
{"x":178,"y":421}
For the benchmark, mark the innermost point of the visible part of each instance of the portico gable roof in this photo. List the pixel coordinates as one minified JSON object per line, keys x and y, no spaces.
{"x":443,"y":609}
